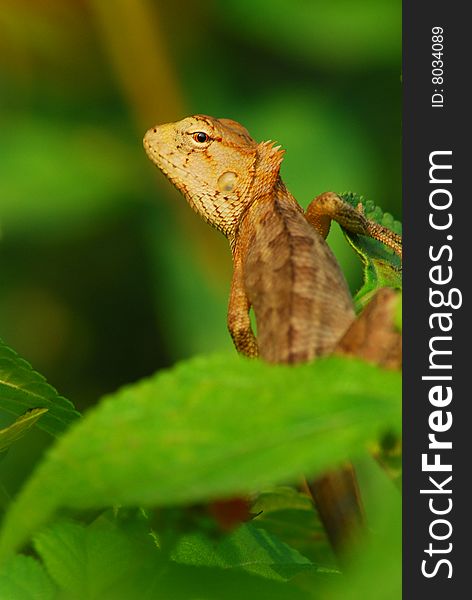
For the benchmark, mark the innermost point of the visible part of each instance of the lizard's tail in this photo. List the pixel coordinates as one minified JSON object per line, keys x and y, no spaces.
{"x":338,"y":502}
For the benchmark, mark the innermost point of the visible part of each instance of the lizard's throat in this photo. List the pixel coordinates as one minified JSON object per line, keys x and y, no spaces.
{"x":222,"y":213}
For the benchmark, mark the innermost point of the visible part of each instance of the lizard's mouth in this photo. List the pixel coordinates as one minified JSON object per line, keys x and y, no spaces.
{"x":151,"y":151}
{"x":161,"y":161}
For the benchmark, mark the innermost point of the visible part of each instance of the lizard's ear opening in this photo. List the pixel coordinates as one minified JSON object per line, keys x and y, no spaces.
{"x":269,"y":157}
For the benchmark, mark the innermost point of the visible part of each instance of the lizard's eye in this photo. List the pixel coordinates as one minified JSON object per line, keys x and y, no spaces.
{"x":201,"y":137}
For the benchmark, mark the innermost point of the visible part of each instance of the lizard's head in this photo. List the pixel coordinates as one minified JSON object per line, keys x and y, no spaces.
{"x":213,"y":162}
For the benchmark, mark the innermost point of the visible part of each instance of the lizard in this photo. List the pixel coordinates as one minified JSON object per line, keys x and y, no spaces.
{"x":282,"y":265}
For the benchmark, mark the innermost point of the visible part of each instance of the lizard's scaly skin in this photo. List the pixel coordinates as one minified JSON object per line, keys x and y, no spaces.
{"x":283,"y":268}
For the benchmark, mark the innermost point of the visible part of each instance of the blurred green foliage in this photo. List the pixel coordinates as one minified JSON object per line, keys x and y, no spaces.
{"x":106,"y":276}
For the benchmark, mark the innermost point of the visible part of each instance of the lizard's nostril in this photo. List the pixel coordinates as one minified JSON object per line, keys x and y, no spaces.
{"x":155,"y":130}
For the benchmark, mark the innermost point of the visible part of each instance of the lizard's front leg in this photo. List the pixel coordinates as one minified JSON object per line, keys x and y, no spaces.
{"x":329,"y":206}
{"x":239,"y":323}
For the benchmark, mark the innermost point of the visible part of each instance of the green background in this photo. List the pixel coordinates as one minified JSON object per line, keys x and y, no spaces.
{"x":105,"y":274}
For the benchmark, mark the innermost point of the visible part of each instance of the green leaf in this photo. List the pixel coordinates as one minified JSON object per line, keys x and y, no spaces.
{"x":22,"y":388}
{"x":382,"y":267}
{"x":211,"y":427}
{"x":288,"y":514}
{"x":96,"y":561}
{"x":248,"y":548}
{"x":16,"y":430}
{"x":24,"y":578}
{"x":103,"y":562}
